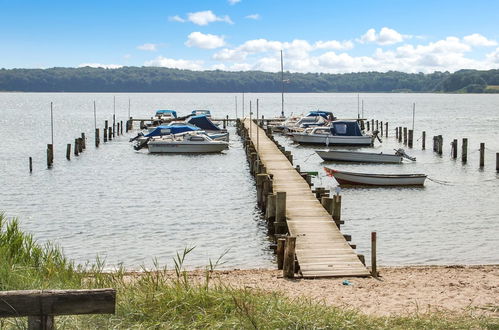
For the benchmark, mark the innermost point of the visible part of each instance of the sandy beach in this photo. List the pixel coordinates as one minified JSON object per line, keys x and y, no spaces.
{"x":398,"y":291}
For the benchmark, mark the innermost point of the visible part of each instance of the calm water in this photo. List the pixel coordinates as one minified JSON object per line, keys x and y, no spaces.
{"x":132,"y":207}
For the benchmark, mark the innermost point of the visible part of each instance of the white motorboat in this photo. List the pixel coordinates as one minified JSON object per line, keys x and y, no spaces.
{"x":185,"y":143}
{"x":341,"y":132}
{"x":363,"y":157}
{"x":366,"y":179}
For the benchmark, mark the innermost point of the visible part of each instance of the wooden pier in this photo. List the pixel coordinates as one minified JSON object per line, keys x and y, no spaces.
{"x":321,"y":249}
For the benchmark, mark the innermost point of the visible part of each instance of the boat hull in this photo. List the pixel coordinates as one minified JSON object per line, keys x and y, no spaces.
{"x":361,"y":157}
{"x":351,"y":178}
{"x":332,"y":139}
{"x":169,"y":147}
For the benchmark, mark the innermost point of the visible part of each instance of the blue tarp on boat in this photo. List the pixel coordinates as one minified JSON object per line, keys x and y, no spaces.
{"x":323,"y":114}
{"x":345,"y":128}
{"x":201,"y":112}
{"x":203,"y":122}
{"x":166,"y":112}
{"x":167,"y":129}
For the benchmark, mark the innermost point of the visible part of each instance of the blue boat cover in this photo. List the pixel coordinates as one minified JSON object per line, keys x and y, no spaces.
{"x":173,"y":129}
{"x":323,"y":114}
{"x":166,"y":112}
{"x":203,"y":122}
{"x":346,"y":128}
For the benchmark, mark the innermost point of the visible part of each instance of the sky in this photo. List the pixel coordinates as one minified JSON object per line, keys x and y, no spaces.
{"x":238,"y":35}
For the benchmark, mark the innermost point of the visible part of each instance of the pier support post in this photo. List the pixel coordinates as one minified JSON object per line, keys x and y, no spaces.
{"x":280,"y":252}
{"x":367,"y":122}
{"x":482,"y":154}
{"x":280,"y":213}
{"x":271,"y":207}
{"x":374,"y":271}
{"x":105,"y":130}
{"x":80,"y":145}
{"x":83,"y":142}
{"x":381,"y":126}
{"x":411,"y":136}
{"x":289,"y":257}
{"x":68,"y":151}
{"x":337,"y":208}
{"x":464,"y":150}
{"x":121,"y":127}
{"x":400,"y":134}
{"x":386,"y":130}
{"x":111,"y":133}
{"x":405,"y":135}
{"x":454,"y":148}
{"x":423,"y":142}
{"x":440,"y":144}
{"x":372,"y":124}
{"x":260,"y":178}
{"x":396,"y":133}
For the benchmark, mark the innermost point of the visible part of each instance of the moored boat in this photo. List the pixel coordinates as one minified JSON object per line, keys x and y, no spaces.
{"x":367,"y":179}
{"x":363,"y":157}
{"x":186,"y":143}
{"x":341,"y":132}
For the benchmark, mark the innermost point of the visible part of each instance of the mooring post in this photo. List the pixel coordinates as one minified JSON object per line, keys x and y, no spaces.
{"x":423,"y":142}
{"x":374,"y":272}
{"x":482,"y":154}
{"x":367,"y":122}
{"x":80,"y":145}
{"x":105,"y":130}
{"x":111,"y":133}
{"x":440,"y":144}
{"x":377,"y":125}
{"x":405,"y":135}
{"x":381,"y":126}
{"x":497,"y":161}
{"x":454,"y":148}
{"x":97,"y":138}
{"x":118,"y":129}
{"x":260,"y":177}
{"x":362,"y":125}
{"x":68,"y":151}
{"x":289,"y":257}
{"x":396,"y":133}
{"x":372,"y":124}
{"x":411,"y":135}
{"x":281,"y":243}
{"x":121,"y":127}
{"x":386,"y":129}
{"x":50,"y":155}
{"x":76,"y":147}
{"x":464,"y":150}
{"x":83,"y":142}
{"x":30,"y":165}
{"x":400,"y":134}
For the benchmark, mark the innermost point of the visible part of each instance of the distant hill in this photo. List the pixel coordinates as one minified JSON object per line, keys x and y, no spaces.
{"x":154,"y":79}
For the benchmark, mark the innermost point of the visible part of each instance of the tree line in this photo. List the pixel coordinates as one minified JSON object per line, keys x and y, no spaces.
{"x":155,"y":79}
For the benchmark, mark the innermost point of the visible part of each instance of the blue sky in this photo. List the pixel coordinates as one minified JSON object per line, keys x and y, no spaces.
{"x":315,"y":36}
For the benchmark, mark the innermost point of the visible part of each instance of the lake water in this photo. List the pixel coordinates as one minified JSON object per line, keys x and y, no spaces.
{"x":132,"y":207}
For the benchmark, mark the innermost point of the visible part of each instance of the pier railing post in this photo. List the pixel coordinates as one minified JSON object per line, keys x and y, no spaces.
{"x":289,"y":257}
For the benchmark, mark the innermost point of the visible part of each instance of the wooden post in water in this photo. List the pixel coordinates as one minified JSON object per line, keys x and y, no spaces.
{"x":405,"y":135}
{"x":396,"y":133}
{"x":386,"y":129}
{"x":111,"y":133}
{"x":80,"y":145}
{"x":440,"y":143}
{"x":30,"y":165}
{"x":362,"y":125}
{"x":454,"y":148}
{"x":497,"y":161}
{"x":83,"y":142}
{"x":381,"y":126}
{"x":289,"y":257}
{"x":374,"y":272}
{"x":424,"y":141}
{"x":68,"y":151}
{"x":337,"y":208}
{"x":121,"y":127}
{"x":411,"y":135}
{"x":105,"y":130}
{"x":76,"y":147}
{"x":118,"y":128}
{"x":372,"y":124}
{"x":367,"y":122}
{"x":50,"y":155}
{"x":400,"y":134}
{"x":482,"y":154}
{"x":97,"y":138}
{"x":464,"y":151}
{"x":377,"y":125}
{"x":280,"y":252}
{"x":280,"y":213}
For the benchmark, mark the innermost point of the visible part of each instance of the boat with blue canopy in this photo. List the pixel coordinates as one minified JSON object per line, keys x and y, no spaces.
{"x":341,"y":132}
{"x":166,"y":114}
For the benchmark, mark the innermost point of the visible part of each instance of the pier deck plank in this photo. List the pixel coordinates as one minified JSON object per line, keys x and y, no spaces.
{"x":321,"y":249}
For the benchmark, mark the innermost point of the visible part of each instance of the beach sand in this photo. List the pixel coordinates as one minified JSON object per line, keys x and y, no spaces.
{"x":398,"y":291}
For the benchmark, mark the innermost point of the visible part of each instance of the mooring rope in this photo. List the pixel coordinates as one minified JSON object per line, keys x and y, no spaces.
{"x":442,"y":182}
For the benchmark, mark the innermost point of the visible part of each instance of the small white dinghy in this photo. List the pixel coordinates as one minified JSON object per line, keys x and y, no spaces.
{"x":363,"y":157}
{"x":185,"y":143}
{"x":366,"y":179}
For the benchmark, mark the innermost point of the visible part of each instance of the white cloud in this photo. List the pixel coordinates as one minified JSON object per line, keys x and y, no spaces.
{"x":476,"y":39}
{"x":233,"y":2}
{"x":230,"y":55}
{"x":493,"y":57}
{"x":174,"y":63}
{"x":333,"y":44}
{"x":206,"y":41}
{"x":386,"y":36}
{"x":99,"y":65}
{"x":206,"y":17}
{"x":253,"y":16}
{"x":176,"y":18}
{"x":148,"y":47}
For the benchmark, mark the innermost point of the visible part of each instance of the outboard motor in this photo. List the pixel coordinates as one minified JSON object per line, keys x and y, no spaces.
{"x":141,"y":144}
{"x":135,"y":138}
{"x":401,"y":152}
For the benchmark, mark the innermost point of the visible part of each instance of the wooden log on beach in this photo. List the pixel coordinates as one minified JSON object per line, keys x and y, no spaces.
{"x":289,"y":257}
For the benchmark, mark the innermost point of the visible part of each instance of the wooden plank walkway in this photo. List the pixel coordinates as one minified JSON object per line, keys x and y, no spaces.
{"x":321,"y":249}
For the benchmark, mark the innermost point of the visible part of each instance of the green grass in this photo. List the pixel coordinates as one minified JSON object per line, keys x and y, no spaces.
{"x":158,"y":300}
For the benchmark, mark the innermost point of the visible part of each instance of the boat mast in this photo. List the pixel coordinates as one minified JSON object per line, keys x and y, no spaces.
{"x":282,"y":87}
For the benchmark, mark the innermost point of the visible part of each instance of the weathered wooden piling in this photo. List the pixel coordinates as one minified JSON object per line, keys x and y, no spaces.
{"x":50,"y":155}
{"x":497,"y":161}
{"x":76,"y":147}
{"x":337,"y":207}
{"x":482,"y":154}
{"x":30,"y":165}
{"x":83,"y":141}
{"x":396,"y":133}
{"x":280,"y":252}
{"x":260,"y":178}
{"x":381,"y":127}
{"x":367,"y":123}
{"x":68,"y":151}
{"x":271,"y":207}
{"x":410,"y":138}
{"x":280,"y":226}
{"x":374,"y":271}
{"x":440,"y":145}
{"x":111,"y":133}
{"x":454,"y":148}
{"x":423,"y":142}
{"x":118,"y":129}
{"x":97,"y":138}
{"x":372,"y":124}
{"x":289,"y":257}
{"x":400,"y":134}
{"x":105,"y":130}
{"x":121,"y":127}
{"x":464,"y":150}
{"x":386,"y":129}
{"x":405,"y":135}
{"x":362,"y":125}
